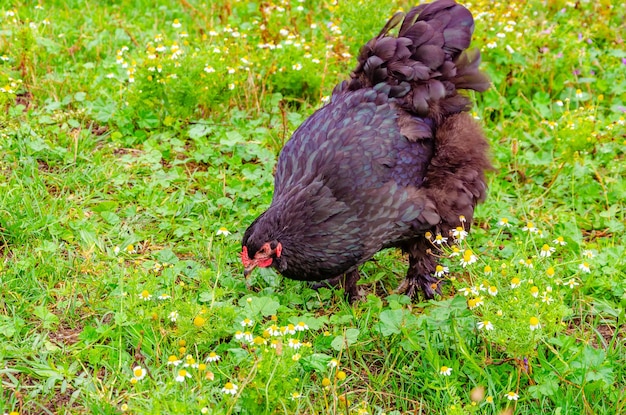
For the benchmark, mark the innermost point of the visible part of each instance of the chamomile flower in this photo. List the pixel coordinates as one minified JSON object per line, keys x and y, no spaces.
{"x":246,"y":322}
{"x":295,"y":395}
{"x":468,"y":258}
{"x":504,"y":222}
{"x":550,"y":272}
{"x":139,"y":373}
{"x":486,"y":324}
{"x":294,"y":344}
{"x":258,"y":341}
{"x":440,"y":271}
{"x":559,"y":240}
{"x":534,"y":323}
{"x":145,"y":295}
{"x":173,"y":316}
{"x":213,"y":357}
{"x":246,"y":336}
{"x":584,"y":267}
{"x":545,"y":298}
{"x":587,"y":254}
{"x":440,"y":240}
{"x":181,"y":375}
{"x":459,"y":233}
{"x":176,"y":24}
{"x":222,"y":231}
{"x":492,"y":290}
{"x":274,"y":330}
{"x":174,"y":360}
{"x":515,"y":282}
{"x":487,"y":270}
{"x":333,"y":363}
{"x":466,"y":291}
{"x":546,"y":250}
{"x":512,"y":396}
{"x":572,"y":283}
{"x":530,"y":227}
{"x":474,"y":302}
{"x":301,"y":326}
{"x":445,"y":371}
{"x":190,"y":362}
{"x":534,"y":291}
{"x":230,"y":389}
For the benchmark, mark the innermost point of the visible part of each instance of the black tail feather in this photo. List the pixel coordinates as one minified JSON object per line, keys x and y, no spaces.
{"x":429,"y":55}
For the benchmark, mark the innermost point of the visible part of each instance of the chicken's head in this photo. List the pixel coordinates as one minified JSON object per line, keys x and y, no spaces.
{"x":262,"y":257}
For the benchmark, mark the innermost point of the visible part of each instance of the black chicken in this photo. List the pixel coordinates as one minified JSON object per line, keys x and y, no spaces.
{"x":393,"y":155}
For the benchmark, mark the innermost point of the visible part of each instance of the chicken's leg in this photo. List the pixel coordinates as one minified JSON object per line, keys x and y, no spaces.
{"x":421,"y":269}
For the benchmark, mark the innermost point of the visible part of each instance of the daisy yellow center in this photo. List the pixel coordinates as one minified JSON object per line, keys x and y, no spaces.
{"x":467,"y":255}
{"x":534,"y":321}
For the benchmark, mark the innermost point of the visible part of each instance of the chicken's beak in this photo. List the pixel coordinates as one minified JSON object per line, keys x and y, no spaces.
{"x":247,"y":270}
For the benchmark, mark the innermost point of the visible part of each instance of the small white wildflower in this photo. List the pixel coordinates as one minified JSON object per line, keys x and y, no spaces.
{"x":213,"y":357}
{"x":230,"y":389}
{"x":222,"y":231}
{"x":173,"y":316}
{"x":487,"y":325}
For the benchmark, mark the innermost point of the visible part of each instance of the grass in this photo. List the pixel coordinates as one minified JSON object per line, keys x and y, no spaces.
{"x":137,"y":142}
